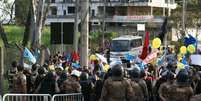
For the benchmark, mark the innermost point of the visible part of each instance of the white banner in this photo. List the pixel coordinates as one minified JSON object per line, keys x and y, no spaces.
{"x":132,"y":18}
{"x":140,"y":27}
{"x":150,"y":57}
{"x":195,"y":59}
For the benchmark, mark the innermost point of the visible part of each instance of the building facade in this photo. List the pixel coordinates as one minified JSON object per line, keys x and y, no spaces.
{"x":122,"y":16}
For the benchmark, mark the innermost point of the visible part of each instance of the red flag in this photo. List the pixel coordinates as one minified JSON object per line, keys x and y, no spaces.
{"x":145,"y":47}
{"x":75,"y":56}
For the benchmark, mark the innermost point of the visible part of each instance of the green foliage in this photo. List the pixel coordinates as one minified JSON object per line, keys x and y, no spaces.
{"x":46,"y":36}
{"x":15,"y":34}
{"x":111,"y":35}
{"x":96,"y":38}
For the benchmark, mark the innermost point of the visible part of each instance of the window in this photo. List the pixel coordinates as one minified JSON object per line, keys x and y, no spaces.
{"x":136,"y":43}
{"x":71,"y":10}
{"x":53,"y":1}
{"x":54,"y":10}
{"x":120,"y":45}
{"x":93,"y":12}
{"x":64,"y":12}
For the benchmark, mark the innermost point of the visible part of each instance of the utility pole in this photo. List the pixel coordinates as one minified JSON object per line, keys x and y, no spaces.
{"x":84,"y":32}
{"x":1,"y":70}
{"x":75,"y":40}
{"x":103,"y":25}
{"x":183,"y":15}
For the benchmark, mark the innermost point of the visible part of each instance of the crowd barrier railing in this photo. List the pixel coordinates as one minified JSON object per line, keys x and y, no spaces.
{"x":27,"y":97}
{"x":68,"y":97}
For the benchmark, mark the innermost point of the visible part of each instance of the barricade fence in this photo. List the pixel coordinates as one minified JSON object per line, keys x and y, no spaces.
{"x":43,"y":97}
{"x":27,"y":97}
{"x":68,"y":97}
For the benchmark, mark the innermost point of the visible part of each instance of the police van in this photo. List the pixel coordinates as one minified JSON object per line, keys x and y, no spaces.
{"x":127,"y":44}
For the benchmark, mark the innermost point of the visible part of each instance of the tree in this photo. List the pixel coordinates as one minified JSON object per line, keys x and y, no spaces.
{"x":192,"y":13}
{"x":35,"y":14}
{"x":6,"y":11}
{"x":193,"y":19}
{"x":40,"y":12}
{"x":6,"y":16}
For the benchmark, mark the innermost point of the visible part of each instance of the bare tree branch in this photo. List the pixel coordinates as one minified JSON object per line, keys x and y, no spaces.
{"x":11,"y":12}
{"x":46,"y":12}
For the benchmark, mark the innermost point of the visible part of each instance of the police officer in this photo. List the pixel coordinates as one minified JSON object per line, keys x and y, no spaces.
{"x":163,"y":89}
{"x":137,"y":89}
{"x":116,"y":87}
{"x":180,"y":90}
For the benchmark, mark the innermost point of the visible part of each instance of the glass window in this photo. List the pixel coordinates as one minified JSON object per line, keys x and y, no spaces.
{"x":54,"y":10}
{"x":120,"y":45}
{"x":71,"y":10}
{"x":64,"y":12}
{"x":136,"y":43}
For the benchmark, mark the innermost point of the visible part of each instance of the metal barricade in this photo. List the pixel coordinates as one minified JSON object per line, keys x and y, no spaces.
{"x":68,"y":97}
{"x":27,"y":97}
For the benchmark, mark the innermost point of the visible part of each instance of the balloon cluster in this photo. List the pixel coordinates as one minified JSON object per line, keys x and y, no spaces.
{"x":191,"y":49}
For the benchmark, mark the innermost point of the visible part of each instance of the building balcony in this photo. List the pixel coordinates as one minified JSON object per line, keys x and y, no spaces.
{"x":154,"y":3}
{"x":111,"y":19}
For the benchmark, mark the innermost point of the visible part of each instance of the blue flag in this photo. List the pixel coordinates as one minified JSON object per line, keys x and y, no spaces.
{"x":75,"y":65}
{"x":190,"y":40}
{"x":29,"y":56}
{"x":184,"y":60}
{"x":129,"y":57}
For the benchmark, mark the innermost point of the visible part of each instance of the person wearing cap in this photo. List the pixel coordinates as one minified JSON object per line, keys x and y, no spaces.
{"x":116,"y":87}
{"x":58,"y":70}
{"x":181,"y":89}
{"x":71,"y":85}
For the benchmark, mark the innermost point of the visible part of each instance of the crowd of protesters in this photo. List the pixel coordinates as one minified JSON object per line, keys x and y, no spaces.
{"x":59,"y":76}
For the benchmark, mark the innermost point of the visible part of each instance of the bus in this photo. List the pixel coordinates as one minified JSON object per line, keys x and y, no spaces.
{"x":123,"y":45}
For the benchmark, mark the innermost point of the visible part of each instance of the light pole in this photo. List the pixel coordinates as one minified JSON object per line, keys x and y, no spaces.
{"x":75,"y":40}
{"x":103,"y":25}
{"x":183,"y":15}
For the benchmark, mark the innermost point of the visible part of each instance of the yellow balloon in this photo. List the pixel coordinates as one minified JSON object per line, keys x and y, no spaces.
{"x":180,"y":66}
{"x":156,"y":43}
{"x":106,"y":68}
{"x":179,"y":57}
{"x":183,"y":50}
{"x":92,"y":57}
{"x":191,"y":48}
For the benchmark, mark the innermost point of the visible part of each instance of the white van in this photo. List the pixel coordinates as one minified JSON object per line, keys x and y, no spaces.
{"x":127,"y":44}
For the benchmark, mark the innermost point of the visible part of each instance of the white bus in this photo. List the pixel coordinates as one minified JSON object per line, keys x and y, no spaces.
{"x":127,"y":44}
